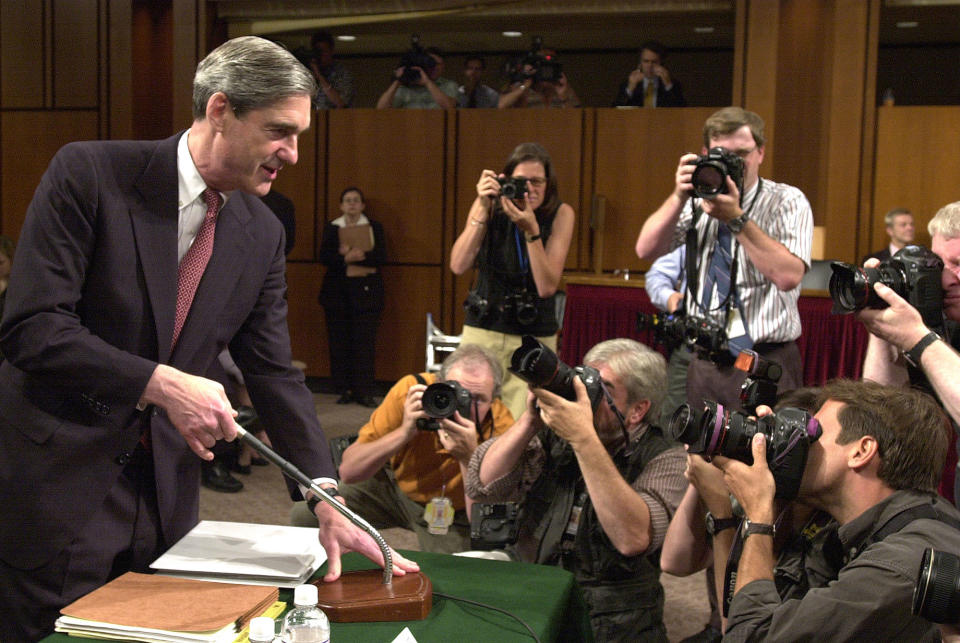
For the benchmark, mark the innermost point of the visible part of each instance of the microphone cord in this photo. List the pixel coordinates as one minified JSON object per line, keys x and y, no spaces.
{"x":495,"y":609}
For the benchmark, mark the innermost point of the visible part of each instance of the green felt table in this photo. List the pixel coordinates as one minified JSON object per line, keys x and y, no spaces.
{"x":546,"y":598}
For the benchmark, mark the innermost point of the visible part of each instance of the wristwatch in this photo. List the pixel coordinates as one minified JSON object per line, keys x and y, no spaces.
{"x":913,"y":355}
{"x":716,"y":525}
{"x":751,"y":528}
{"x":736,"y":225}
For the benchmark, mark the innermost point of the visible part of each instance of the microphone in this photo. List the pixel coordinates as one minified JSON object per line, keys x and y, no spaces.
{"x":296,"y":475}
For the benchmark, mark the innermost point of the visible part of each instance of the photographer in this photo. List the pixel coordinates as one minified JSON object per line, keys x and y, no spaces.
{"x":426,"y":460}
{"x":519,"y":247}
{"x":874,"y":469}
{"x":901,"y":347}
{"x":335,"y":82}
{"x":745,"y":258}
{"x":538,"y":82}
{"x":429,"y":91}
{"x":594,"y":503}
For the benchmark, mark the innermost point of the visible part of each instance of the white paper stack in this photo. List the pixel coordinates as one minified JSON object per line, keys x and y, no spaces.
{"x":246,"y":553}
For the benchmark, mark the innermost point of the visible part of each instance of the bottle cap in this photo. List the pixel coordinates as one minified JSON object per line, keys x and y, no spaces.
{"x":305,"y":595}
{"x":262,"y":629}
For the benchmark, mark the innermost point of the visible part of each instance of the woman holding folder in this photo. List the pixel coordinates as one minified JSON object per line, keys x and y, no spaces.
{"x":353,"y":250}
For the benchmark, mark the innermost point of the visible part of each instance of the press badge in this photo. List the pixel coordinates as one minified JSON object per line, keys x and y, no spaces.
{"x":735,"y":327}
{"x":438,"y":515}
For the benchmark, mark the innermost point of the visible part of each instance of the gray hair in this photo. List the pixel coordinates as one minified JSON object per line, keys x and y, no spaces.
{"x":474,"y":355}
{"x":893,"y":214}
{"x":946,"y":222}
{"x":253,"y":73}
{"x":641,"y":370}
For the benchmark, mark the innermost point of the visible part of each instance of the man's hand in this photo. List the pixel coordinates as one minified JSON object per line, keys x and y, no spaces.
{"x":724,"y":206}
{"x":458,"y":436}
{"x":339,"y":536}
{"x":900,"y":324}
{"x":752,"y":485}
{"x":197,"y":407}
{"x":413,"y":409}
{"x":634,"y":79}
{"x":684,"y":177}
{"x":709,"y":483}
{"x":572,"y":421}
{"x":674,"y":301}
{"x":661,"y":72}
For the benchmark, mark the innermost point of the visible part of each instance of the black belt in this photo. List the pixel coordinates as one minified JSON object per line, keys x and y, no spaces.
{"x":771,"y":346}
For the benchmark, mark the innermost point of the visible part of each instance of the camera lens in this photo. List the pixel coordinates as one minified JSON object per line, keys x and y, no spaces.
{"x":937,"y":595}
{"x":439,"y":400}
{"x":709,"y":179}
{"x":702,"y":430}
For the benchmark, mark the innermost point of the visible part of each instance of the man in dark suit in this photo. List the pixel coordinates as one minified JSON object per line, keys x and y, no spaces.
{"x":650,"y":84}
{"x":103,"y":418}
{"x":899,"y":224}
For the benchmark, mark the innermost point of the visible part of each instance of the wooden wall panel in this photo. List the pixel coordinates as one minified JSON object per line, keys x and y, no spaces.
{"x":401,"y":341}
{"x":636,"y":157}
{"x":298,"y":183}
{"x":397,"y":158}
{"x":762,"y":35}
{"x":26,"y":155}
{"x":22,"y":54}
{"x":75,"y":54}
{"x":923,"y":181}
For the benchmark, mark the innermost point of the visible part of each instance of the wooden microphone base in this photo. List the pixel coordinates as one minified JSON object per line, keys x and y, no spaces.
{"x":361,"y":597}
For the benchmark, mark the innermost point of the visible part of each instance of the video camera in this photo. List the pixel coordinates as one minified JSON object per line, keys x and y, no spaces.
{"x":937,"y":594}
{"x":710,"y":174}
{"x":441,"y":400}
{"x":536,"y":65}
{"x":718,"y":431}
{"x":539,"y":366}
{"x":494,"y":526}
{"x":417,"y":56}
{"x":914,"y":273}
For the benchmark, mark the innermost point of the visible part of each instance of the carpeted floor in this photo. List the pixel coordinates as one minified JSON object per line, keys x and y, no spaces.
{"x":264,"y":500}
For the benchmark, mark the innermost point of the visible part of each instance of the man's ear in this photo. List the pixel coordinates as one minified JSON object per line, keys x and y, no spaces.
{"x":218,"y":107}
{"x":863,"y":452}
{"x":637,"y":411}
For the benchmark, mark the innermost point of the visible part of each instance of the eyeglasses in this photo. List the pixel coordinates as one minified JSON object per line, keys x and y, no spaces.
{"x":537,"y":182}
{"x":745,"y":153}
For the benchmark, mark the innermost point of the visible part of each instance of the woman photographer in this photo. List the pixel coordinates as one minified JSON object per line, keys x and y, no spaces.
{"x":353,"y":250}
{"x":519,"y":247}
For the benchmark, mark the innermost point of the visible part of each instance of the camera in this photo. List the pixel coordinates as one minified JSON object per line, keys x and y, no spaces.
{"x":669,"y":329}
{"x":709,"y":339}
{"x":937,"y":594}
{"x":760,"y":386}
{"x":539,"y":366}
{"x":441,"y":400}
{"x":513,"y":188}
{"x":493,"y":526}
{"x":536,"y":65}
{"x":711,"y":172}
{"x":914,"y":273}
{"x":417,"y":56}
{"x":522,"y":305}
{"x":717,"y":431}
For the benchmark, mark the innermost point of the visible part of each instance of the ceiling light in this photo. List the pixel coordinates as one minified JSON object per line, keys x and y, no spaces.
{"x":512,"y":34}
{"x":703,"y":29}
{"x":347,"y":38}
{"x":907,"y":24}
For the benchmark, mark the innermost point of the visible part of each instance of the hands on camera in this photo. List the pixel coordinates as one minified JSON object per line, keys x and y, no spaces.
{"x":899,"y":324}
{"x":752,"y":485}
{"x":489,"y":188}
{"x":724,"y":206}
{"x":570,"y":420}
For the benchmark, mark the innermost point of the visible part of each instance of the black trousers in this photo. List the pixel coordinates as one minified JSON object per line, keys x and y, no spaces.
{"x":709,"y":381}
{"x":122,"y":535}
{"x":352,"y":323}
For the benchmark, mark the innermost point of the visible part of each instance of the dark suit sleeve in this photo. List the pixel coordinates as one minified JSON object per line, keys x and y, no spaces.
{"x":261,"y":349}
{"x":45,"y":331}
{"x":378,"y":254}
{"x":672,"y":97}
{"x":624,"y":99}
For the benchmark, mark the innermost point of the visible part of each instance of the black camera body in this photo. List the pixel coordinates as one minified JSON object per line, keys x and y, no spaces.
{"x":914,"y":273}
{"x":760,"y":385}
{"x":494,"y":526}
{"x":513,"y":188}
{"x":441,"y":400}
{"x":539,"y":366}
{"x":937,"y":594}
{"x":708,"y":339}
{"x":710,"y":174}
{"x":542,"y":67}
{"x":415,"y":57}
{"x":669,"y":329}
{"x":717,"y":431}
{"x":522,"y":306}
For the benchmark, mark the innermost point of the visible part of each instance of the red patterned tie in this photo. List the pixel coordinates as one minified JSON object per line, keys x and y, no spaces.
{"x":195,"y":261}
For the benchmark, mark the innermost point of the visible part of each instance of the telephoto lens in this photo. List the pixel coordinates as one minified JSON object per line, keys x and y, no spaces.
{"x":937,"y":595}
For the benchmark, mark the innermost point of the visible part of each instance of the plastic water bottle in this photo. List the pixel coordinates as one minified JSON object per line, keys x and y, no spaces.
{"x":306,"y":623}
{"x":262,"y":630}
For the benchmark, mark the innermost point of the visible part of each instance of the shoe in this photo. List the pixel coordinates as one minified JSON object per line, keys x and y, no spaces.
{"x":244,"y":469}
{"x":216,"y":476}
{"x":709,"y":634}
{"x":246,"y":417}
{"x":345,"y":398}
{"x":366,"y":400}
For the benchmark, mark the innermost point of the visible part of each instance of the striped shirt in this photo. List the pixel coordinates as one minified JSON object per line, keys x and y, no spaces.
{"x":783,"y":213}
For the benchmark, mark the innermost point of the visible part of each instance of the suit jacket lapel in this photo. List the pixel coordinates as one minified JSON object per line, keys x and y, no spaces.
{"x":154,"y":217}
